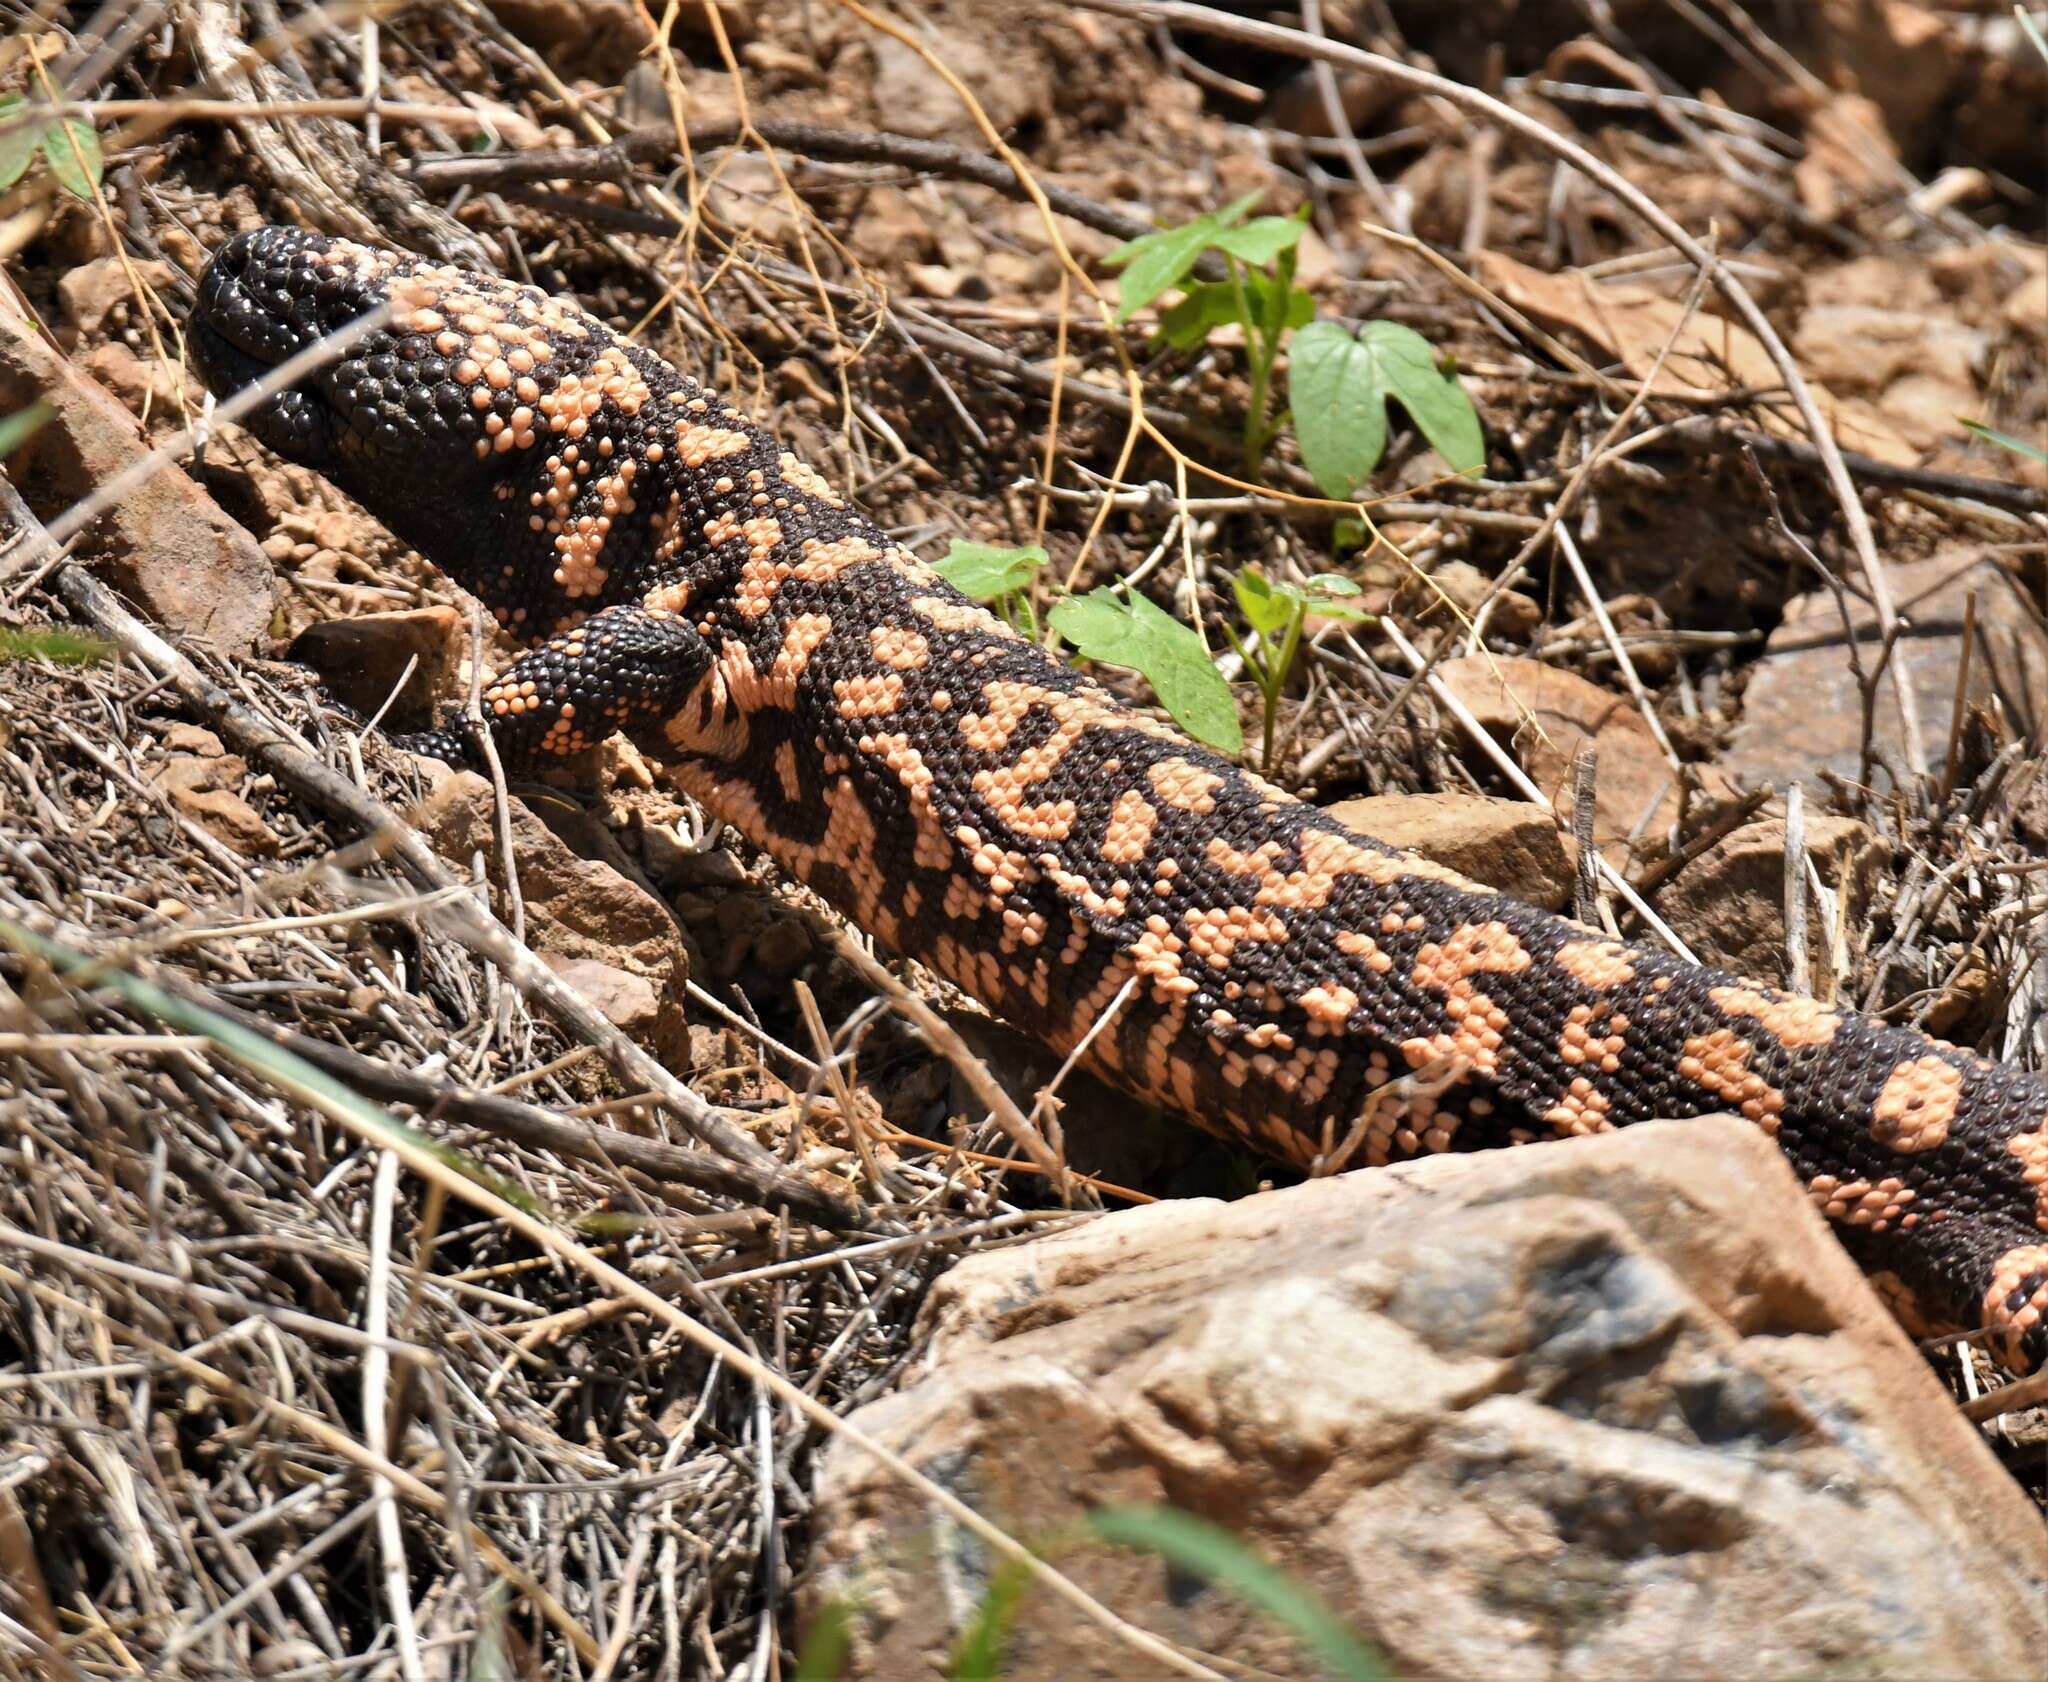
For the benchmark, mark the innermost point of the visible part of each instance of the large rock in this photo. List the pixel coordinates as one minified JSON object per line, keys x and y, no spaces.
{"x":1616,"y":1407}
{"x":165,"y":544}
{"x":1803,"y":711}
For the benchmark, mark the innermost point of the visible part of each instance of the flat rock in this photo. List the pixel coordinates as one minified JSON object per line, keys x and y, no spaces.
{"x":629,"y":1002}
{"x":1729,"y":904}
{"x":577,"y":909}
{"x":1802,"y":712}
{"x":165,"y":545}
{"x":1614,"y":1407}
{"x":1512,"y":845}
{"x":203,"y":786}
{"x":364,"y":659}
{"x":1544,"y":714}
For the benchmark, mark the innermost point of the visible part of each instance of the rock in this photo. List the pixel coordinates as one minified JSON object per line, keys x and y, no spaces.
{"x":1893,"y":52}
{"x":1633,"y":322}
{"x":93,"y":294}
{"x":1613,"y":1407}
{"x":363,"y":659}
{"x":158,"y":394}
{"x":1544,"y":713}
{"x":165,"y":544}
{"x":1877,"y":329}
{"x":1802,"y":712}
{"x":603,"y":39}
{"x":577,"y":909}
{"x":1512,"y":845}
{"x":629,"y":1002}
{"x":1001,"y":53}
{"x":1729,"y":904}
{"x":1461,"y":585}
{"x":203,"y":786}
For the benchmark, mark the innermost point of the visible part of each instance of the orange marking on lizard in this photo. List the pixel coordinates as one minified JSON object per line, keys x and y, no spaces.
{"x":1719,"y":1063}
{"x":1917,"y":1105}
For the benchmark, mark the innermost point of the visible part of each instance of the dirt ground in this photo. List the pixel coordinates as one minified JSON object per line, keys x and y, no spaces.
{"x":223,"y":1466}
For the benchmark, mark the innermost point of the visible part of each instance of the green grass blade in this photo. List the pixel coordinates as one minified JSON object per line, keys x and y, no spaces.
{"x":17,"y":429}
{"x":1206,"y":1550}
{"x":979,"y":1655}
{"x":2033,"y":30}
{"x":53,"y":643}
{"x":283,"y":1069}
{"x":2005,"y":441}
{"x":827,"y":1642}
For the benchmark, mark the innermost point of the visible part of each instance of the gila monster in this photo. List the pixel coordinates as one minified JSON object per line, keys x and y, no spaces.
{"x":974,"y":803}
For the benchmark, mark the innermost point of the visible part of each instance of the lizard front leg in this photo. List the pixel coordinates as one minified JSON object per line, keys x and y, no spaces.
{"x":626,"y":668}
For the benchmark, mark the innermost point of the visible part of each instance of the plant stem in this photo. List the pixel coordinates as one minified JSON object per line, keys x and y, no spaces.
{"x":1260,"y":356}
{"x":1273,"y":675}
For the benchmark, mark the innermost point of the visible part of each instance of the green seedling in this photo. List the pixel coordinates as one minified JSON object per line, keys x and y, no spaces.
{"x":1259,"y":297}
{"x":985,"y":572}
{"x":1123,"y":628}
{"x":1114,"y":625}
{"x":1340,"y":380}
{"x":1274,"y":613}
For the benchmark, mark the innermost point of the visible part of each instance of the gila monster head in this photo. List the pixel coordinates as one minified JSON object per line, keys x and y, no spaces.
{"x":273,"y":292}
{"x":441,"y":416}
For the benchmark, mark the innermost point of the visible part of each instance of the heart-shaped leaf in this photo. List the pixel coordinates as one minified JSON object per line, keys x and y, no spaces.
{"x":1340,"y":382}
{"x":1138,"y":634}
{"x":983,"y":572}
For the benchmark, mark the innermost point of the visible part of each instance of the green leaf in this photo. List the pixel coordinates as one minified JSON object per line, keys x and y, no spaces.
{"x":1347,"y":533}
{"x":1325,"y":594}
{"x":979,"y":1655}
{"x":73,"y":151}
{"x":1977,"y":429}
{"x":1340,"y":383}
{"x":1269,"y":607}
{"x":1340,"y":407}
{"x":1156,"y":263}
{"x":1206,"y":306}
{"x":1137,"y":634}
{"x":17,"y":145}
{"x":1206,"y":1550}
{"x":984,"y":571}
{"x":1260,"y":240}
{"x":1266,"y":606}
{"x":17,"y":429}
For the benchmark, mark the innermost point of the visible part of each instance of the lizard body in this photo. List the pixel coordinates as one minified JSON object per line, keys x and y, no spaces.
{"x":976,"y":804}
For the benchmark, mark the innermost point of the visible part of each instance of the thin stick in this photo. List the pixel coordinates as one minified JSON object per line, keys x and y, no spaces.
{"x":377,"y":1419}
{"x":1798,"y":973}
{"x":946,"y":1041}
